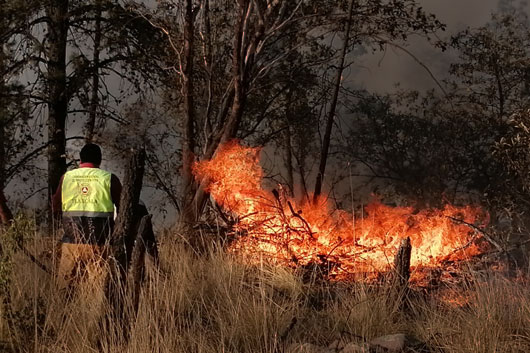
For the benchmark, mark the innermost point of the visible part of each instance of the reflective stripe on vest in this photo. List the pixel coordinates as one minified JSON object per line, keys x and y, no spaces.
{"x":86,"y":192}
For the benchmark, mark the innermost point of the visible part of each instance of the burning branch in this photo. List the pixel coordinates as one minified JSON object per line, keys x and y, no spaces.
{"x":477,"y":230}
{"x":293,"y":213}
{"x":274,"y":229}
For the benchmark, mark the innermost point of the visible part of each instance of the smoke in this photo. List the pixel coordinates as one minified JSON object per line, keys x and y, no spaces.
{"x":380,"y":72}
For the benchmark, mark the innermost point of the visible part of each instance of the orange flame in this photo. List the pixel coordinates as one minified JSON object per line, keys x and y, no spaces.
{"x":273,"y":226}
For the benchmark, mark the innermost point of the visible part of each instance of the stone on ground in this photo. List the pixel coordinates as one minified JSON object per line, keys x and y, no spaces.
{"x":393,"y":343}
{"x":355,"y":348}
{"x":307,"y":348}
{"x":336,"y":345}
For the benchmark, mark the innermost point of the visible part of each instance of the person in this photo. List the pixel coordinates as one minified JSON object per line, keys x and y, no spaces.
{"x":86,"y":198}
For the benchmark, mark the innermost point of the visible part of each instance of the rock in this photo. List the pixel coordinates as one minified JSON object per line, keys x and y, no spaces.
{"x":307,"y":348}
{"x":336,"y":345}
{"x":355,"y":348}
{"x":342,"y":347}
{"x":392,"y":343}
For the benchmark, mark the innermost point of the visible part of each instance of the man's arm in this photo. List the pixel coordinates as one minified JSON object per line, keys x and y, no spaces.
{"x":57,"y":198}
{"x":115,"y":190}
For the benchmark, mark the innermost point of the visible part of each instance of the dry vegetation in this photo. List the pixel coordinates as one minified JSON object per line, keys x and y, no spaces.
{"x":214,"y":303}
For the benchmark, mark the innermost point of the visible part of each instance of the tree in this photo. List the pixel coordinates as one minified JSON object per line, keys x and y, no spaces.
{"x":76,"y":84}
{"x":375,"y":26}
{"x":466,"y":145}
{"x":410,"y":147}
{"x":57,"y":94}
{"x":333,"y":106}
{"x":227,"y":67}
{"x":238,"y":61}
{"x":14,"y":113}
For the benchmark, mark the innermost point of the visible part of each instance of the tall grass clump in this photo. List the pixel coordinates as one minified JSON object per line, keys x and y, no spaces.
{"x":494,"y":317}
{"x":215,"y":303}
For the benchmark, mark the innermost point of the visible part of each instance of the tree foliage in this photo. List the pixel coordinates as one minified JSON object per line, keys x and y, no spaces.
{"x":468,"y":145}
{"x":181,"y":77}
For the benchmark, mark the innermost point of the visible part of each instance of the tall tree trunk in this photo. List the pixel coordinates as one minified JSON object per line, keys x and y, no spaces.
{"x":57,"y":12}
{"x":240,"y":72}
{"x":94,"y":98}
{"x":125,"y":231}
{"x":188,"y":144}
{"x":331,"y":117}
{"x":122,"y":244}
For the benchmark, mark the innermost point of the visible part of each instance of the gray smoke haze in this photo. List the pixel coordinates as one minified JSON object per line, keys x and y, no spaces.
{"x":381,"y":71}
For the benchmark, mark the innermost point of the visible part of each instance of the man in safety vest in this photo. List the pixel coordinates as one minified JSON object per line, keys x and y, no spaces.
{"x":86,"y":197}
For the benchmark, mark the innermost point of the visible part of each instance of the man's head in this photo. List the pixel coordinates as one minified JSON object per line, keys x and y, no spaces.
{"x":91,"y":153}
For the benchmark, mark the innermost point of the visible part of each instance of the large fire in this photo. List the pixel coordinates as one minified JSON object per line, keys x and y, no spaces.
{"x":274,"y":227}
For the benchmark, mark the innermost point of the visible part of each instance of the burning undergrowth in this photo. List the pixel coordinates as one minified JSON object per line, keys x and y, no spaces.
{"x":274,"y":227}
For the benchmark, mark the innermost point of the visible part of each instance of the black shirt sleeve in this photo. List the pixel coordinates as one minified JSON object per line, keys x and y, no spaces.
{"x":115,"y":190}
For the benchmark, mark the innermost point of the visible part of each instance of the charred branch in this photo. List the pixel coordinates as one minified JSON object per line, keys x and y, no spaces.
{"x":486,"y":236}
{"x":402,"y":272}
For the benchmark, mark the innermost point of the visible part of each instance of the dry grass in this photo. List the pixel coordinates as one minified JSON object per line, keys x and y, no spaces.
{"x":216,"y":304}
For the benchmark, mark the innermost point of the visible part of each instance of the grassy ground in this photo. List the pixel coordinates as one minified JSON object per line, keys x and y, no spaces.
{"x":214,"y":303}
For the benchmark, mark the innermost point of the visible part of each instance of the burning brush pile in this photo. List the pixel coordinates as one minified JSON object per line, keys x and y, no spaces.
{"x":274,"y":227}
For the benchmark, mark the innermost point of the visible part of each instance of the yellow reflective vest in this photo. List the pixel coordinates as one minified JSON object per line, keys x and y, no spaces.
{"x":85,"y":192}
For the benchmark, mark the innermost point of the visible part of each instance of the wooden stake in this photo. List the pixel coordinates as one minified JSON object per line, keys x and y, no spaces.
{"x":402,"y":271}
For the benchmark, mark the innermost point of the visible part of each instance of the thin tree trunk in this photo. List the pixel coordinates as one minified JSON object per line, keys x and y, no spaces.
{"x":288,"y":159}
{"x":331,"y":117}
{"x":288,"y":149}
{"x":94,"y":98}
{"x":57,"y":12}
{"x":5,"y":213}
{"x":6,"y":216}
{"x":240,"y":71}
{"x":137,"y":268}
{"x":303,"y":182}
{"x":207,"y":50}
{"x":136,"y":271}
{"x":193,"y":209}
